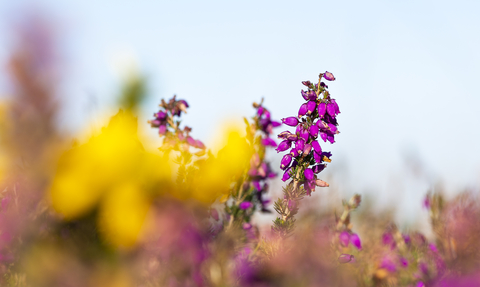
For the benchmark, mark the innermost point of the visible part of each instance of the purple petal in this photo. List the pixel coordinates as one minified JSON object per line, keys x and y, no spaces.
{"x":332,"y":128}
{"x":312,"y":96}
{"x":308,"y":174}
{"x":290,"y":121}
{"x":214,"y":214}
{"x":330,"y":138}
{"x":256,"y":185}
{"x":161,"y":115}
{"x":337,"y":109}
{"x":260,"y":111}
{"x":307,"y":83}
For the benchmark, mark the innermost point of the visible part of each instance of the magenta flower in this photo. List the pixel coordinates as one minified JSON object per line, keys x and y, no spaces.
{"x":355,"y":240}
{"x":286,"y":160}
{"x":283,"y":146}
{"x":345,"y":258}
{"x":303,"y":110}
{"x":245,"y":205}
{"x":308,"y":174}
{"x":290,"y":121}
{"x":328,"y":76}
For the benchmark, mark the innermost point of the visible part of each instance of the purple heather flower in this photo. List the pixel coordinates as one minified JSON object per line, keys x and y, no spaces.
{"x":316,"y":147}
{"x":308,"y":174}
{"x":307,"y":83}
{"x":309,"y":186}
{"x":162,"y":129}
{"x":286,"y":174}
{"x":344,"y":238}
{"x":328,"y":76}
{"x":318,"y":157}
{"x":290,"y":121}
{"x":318,"y":168}
{"x":245,"y":205}
{"x":284,"y":135}
{"x":420,"y":284}
{"x":426,"y":202}
{"x":155,"y":123}
{"x":331,"y":109}
{"x":433,"y":247}
{"x":322,"y":108}
{"x":305,"y":95}
{"x":404,"y":262}
{"x":311,"y":105}
{"x":269,"y":142}
{"x":286,"y":160}
{"x":160,"y":115}
{"x":345,"y":258}
{"x":407,"y":239}
{"x":312,"y":96}
{"x":300,"y":144}
{"x":307,"y":148}
{"x":313,"y":130}
{"x":304,"y":134}
{"x":292,"y":137}
{"x":283,"y":146}
{"x":303,"y":110}
{"x":275,"y":124}
{"x":337,"y":109}
{"x":355,"y":240}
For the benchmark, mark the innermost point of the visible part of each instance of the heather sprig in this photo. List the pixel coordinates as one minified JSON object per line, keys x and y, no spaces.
{"x":167,"y":120}
{"x":316,"y":119}
{"x":248,"y":194}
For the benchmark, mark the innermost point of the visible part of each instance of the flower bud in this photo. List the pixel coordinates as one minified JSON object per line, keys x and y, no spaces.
{"x":316,"y":147}
{"x":304,"y":135}
{"x":303,"y":110}
{"x":328,"y":76}
{"x":307,"y":149}
{"x":313,"y":130}
{"x":286,"y":160}
{"x":191,"y":141}
{"x":269,"y":142}
{"x":321,"y":183}
{"x":245,"y":205}
{"x":294,"y":152}
{"x":283,"y":146}
{"x":318,"y":168}
{"x":355,"y":240}
{"x":311,"y":105}
{"x":300,"y":144}
{"x":331,"y":109}
{"x":199,"y":144}
{"x":322,"y":108}
{"x":286,"y":174}
{"x":290,"y":121}
{"x":160,"y":115}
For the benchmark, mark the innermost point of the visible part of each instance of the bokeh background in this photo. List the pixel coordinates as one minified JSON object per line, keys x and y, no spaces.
{"x":407,"y":75}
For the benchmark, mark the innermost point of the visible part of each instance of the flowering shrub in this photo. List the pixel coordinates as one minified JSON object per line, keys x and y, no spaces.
{"x":108,"y":212}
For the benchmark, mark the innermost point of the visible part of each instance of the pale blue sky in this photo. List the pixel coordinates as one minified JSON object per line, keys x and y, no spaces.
{"x":407,"y":74}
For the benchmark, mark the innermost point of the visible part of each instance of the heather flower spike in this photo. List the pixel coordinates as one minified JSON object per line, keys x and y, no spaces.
{"x":316,"y":118}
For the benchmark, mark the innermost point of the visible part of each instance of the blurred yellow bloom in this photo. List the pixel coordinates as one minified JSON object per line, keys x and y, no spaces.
{"x":113,"y":173}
